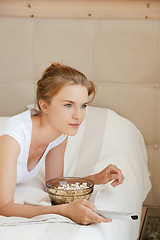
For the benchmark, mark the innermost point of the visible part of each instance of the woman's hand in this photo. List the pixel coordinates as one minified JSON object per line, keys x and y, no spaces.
{"x":82,"y":212}
{"x":110,"y":173}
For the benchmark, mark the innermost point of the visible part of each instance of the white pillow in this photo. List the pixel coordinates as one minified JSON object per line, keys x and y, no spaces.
{"x":2,"y":121}
{"x":107,"y":138}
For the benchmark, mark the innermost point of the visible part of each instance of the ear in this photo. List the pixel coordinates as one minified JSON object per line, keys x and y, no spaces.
{"x":43,"y":105}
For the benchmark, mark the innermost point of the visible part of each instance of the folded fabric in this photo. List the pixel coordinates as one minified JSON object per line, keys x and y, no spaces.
{"x":41,"y":219}
{"x":40,"y":198}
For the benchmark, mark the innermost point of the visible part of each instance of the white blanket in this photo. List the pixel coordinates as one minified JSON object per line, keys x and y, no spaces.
{"x":103,"y":138}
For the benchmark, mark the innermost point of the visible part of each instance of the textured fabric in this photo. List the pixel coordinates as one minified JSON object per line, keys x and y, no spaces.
{"x":20,"y":128}
{"x":122,"y":144}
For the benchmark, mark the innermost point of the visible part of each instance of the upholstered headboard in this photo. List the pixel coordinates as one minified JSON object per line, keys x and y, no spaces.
{"x":121,"y":56}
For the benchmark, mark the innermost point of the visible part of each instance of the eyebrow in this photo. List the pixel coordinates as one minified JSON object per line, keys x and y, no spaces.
{"x":73,"y":102}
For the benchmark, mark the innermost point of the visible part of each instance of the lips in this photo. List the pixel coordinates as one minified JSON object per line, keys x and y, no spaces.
{"x":74,"y":125}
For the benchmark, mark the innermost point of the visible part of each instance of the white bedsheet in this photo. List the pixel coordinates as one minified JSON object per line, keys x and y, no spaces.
{"x":104,"y":138}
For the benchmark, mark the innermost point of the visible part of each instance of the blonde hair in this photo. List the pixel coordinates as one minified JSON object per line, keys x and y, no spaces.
{"x":57,"y":76}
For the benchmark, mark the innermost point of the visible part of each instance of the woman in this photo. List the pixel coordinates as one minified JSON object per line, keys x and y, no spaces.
{"x":62,"y":97}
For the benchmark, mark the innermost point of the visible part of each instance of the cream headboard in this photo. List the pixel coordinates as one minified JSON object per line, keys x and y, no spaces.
{"x":121,"y":56}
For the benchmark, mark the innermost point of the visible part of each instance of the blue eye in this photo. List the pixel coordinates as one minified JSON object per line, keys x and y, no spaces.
{"x":68,"y":105}
{"x":84,"y":106}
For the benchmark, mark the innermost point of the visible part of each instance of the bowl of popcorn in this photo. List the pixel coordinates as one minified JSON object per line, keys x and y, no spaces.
{"x":68,"y":189}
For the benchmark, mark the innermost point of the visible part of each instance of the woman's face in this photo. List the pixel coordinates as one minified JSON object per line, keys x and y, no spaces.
{"x":68,"y":109}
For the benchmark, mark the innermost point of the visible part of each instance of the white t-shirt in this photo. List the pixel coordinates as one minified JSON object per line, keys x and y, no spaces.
{"x":20,"y":128}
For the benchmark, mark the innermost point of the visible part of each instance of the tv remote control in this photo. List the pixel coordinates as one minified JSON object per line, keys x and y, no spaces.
{"x":117,"y":215}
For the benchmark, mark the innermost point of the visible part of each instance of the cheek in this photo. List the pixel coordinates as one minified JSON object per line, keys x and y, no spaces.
{"x":57,"y":113}
{"x":83,"y":115}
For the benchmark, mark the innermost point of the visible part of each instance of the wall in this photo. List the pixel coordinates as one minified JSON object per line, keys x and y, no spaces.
{"x":121,"y":56}
{"x":82,"y":9}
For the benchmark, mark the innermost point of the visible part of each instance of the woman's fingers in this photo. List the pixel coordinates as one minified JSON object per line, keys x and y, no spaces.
{"x":88,"y":204}
{"x":98,"y":219}
{"x":116,"y":174}
{"x":93,"y":217}
{"x":83,"y":212}
{"x":118,"y":181}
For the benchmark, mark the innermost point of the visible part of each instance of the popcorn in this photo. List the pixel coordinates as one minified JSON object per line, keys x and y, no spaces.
{"x":66,"y":191}
{"x":72,"y":186}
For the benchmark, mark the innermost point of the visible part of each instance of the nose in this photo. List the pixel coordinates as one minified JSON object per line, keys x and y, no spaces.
{"x":77,"y":113}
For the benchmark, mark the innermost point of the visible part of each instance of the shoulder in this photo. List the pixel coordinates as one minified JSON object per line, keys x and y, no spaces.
{"x":17,"y":126}
{"x":18,"y":121}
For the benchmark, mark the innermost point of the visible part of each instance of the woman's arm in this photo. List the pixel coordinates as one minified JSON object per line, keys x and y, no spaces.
{"x":80,"y":211}
{"x":54,"y":162}
{"x":110,"y":173}
{"x":9,"y":151}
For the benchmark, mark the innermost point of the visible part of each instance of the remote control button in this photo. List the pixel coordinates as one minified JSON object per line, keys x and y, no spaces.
{"x":134,"y":217}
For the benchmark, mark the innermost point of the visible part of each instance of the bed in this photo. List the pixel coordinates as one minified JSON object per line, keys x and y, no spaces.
{"x":103,"y":138}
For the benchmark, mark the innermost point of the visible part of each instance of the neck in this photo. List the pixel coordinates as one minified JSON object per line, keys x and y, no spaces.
{"x":42,"y":129}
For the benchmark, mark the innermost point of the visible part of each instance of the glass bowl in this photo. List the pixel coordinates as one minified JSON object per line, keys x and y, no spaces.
{"x":68,"y":189}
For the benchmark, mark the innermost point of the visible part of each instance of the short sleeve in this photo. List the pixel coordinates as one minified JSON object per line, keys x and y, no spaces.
{"x":14,"y":128}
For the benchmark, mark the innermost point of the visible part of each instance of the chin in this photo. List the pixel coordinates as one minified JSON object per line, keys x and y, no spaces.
{"x":71,"y":133}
